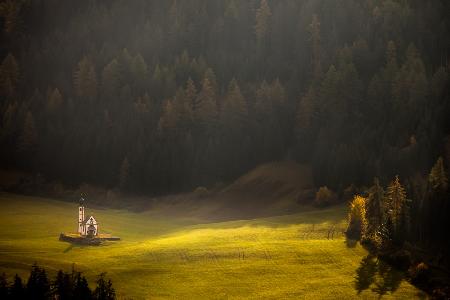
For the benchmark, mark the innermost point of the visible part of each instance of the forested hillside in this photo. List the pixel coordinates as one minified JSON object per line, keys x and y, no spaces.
{"x":162,"y":96}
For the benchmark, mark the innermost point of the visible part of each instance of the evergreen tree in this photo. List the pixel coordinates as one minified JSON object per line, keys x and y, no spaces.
{"x":263,"y":15}
{"x":397,"y":205}
{"x":38,"y":286}
{"x":124,"y":174}
{"x":375,"y":207}
{"x":234,"y":109}
{"x":9,"y":76}
{"x":63,"y":286}
{"x":104,"y":289}
{"x":17,"y":290}
{"x":205,"y":107}
{"x":81,"y":289}
{"x":438,"y":178}
{"x":168,"y":121}
{"x":29,"y":138}
{"x":314,"y":30}
{"x":85,"y":79}
{"x":54,"y":102}
{"x":3,"y":287}
{"x":111,"y":79}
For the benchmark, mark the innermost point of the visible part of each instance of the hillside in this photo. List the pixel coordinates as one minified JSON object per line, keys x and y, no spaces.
{"x":165,"y":256}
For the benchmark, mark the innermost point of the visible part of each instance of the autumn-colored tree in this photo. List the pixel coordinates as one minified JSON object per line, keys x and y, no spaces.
{"x":357,"y":222}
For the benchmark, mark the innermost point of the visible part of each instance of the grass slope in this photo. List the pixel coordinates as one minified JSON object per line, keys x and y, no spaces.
{"x":285,"y":257}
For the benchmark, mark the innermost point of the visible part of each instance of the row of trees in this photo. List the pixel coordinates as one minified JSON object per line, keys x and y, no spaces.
{"x":161,"y":96}
{"x":66,"y":286}
{"x":414,"y":212}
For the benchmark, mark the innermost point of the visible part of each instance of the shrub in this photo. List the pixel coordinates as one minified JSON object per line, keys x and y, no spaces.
{"x":357,"y":222}
{"x":324,"y":197}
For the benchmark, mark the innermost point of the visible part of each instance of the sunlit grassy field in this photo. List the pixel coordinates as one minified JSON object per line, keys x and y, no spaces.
{"x":296,"y":256}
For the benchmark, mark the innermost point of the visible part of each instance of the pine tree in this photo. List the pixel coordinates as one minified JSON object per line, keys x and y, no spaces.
{"x":29,"y":138}
{"x":124,"y":174}
{"x":81,"y":289}
{"x":10,"y":13}
{"x":9,"y":76}
{"x":17,"y":290}
{"x":375,"y":207}
{"x":314,"y":30}
{"x":190,"y":92}
{"x":263,"y":15}
{"x":396,"y":201}
{"x":234,"y":110}
{"x":168,"y":121}
{"x":38,"y":286}
{"x":63,"y":286}
{"x":438,"y":178}
{"x":3,"y":286}
{"x":54,"y":102}
{"x":111,"y":79}
{"x":85,"y":79}
{"x":205,"y":107}
{"x":305,"y":114}
{"x":104,"y":289}
{"x":139,"y":72}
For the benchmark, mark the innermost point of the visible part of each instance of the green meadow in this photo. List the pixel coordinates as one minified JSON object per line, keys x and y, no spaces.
{"x":185,"y":256}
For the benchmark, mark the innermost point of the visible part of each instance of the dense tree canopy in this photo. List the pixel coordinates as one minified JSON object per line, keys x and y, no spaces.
{"x":161,"y":96}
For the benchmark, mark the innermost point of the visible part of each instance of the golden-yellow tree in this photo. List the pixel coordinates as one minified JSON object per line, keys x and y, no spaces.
{"x":357,"y":222}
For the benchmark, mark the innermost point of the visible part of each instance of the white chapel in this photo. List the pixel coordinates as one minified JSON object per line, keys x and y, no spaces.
{"x":87,"y":227}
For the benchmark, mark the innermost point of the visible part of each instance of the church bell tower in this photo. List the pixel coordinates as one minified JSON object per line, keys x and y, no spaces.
{"x":81,"y":216}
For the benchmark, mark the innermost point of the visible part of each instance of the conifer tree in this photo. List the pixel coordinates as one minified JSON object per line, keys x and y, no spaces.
{"x":263,"y":15}
{"x":9,"y":76}
{"x":168,"y":121}
{"x":396,"y":201}
{"x":438,"y":178}
{"x":17,"y":290}
{"x":3,"y":286}
{"x":111,"y":78}
{"x":38,"y":286}
{"x":234,"y":110}
{"x":29,"y":137}
{"x":81,"y":289}
{"x":375,"y":207}
{"x":314,"y":30}
{"x":190,"y":92}
{"x":54,"y":102}
{"x":85,"y":79}
{"x":205,"y":107}
{"x":124,"y":174}
{"x":104,"y":289}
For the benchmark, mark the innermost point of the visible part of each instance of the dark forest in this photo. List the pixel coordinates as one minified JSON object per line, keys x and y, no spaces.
{"x":163,"y":96}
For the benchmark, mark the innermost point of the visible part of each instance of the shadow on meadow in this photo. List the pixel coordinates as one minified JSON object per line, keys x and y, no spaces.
{"x":377,"y":275}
